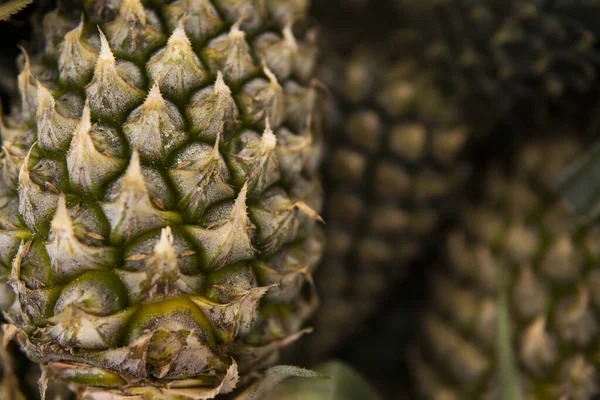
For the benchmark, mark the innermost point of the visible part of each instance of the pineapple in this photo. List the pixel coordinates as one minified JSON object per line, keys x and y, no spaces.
{"x":517,"y":243}
{"x":393,"y":164}
{"x":163,"y":222}
{"x":508,"y":60}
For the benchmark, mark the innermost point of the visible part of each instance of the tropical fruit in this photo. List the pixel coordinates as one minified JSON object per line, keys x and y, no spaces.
{"x":509,"y":60}
{"x":164,"y":225}
{"x":521,"y":297}
{"x":393,"y":163}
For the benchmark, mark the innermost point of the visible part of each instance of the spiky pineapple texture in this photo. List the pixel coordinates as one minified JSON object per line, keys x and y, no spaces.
{"x":162,"y":227}
{"x":393,"y":163}
{"x":521,"y":241}
{"x":503,"y":55}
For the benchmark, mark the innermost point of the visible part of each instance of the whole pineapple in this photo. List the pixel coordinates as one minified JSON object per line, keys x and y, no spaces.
{"x":163,"y":168}
{"x":393,"y":164}
{"x":509,"y":60}
{"x":517,"y":242}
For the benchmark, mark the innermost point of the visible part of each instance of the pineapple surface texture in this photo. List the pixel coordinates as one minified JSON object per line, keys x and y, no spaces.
{"x":162,"y":226}
{"x":393,"y":163}
{"x":520,"y":239}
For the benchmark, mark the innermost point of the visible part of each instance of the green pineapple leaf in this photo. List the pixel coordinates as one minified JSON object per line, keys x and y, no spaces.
{"x":274,"y":376}
{"x":508,"y":374}
{"x":343,"y":383}
{"x":12,"y":7}
{"x":579,"y":186}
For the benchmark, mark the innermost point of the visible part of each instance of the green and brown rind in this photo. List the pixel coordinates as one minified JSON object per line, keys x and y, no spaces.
{"x":163,"y":226}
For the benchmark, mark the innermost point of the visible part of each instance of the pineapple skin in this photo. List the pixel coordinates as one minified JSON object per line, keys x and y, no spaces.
{"x":393,"y":167}
{"x":10,"y":387}
{"x":162,"y":225}
{"x":520,"y":233}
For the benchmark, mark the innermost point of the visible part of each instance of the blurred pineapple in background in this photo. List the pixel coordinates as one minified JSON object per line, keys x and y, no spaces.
{"x":511,"y":61}
{"x":519,"y":263}
{"x":393,"y":172}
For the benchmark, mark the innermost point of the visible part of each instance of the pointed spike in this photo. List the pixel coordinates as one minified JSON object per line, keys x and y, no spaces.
{"x":216,"y":154}
{"x":85,"y":123}
{"x":269,"y":140}
{"x":74,"y":34}
{"x":45,"y":99}
{"x":154,"y":98}
{"x":288,"y":35}
{"x":164,"y":246}
{"x":220,"y":85}
{"x":24,"y":172}
{"x":235,"y":32}
{"x":106,"y":55}
{"x":134,"y":179}
{"x":239,"y":207}
{"x":309,"y":211}
{"x":180,"y":38}
{"x":61,"y":222}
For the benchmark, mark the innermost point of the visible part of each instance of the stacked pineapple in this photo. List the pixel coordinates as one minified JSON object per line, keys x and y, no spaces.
{"x":162,"y":200}
{"x":517,"y":242}
{"x":509,"y":60}
{"x":393,"y":165}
